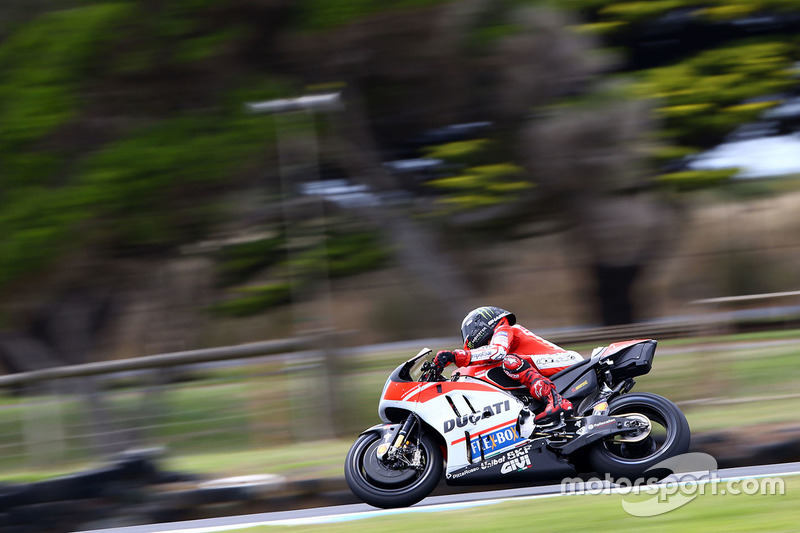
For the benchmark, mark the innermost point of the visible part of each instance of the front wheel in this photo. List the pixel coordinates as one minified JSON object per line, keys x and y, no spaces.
{"x":400,"y":483}
{"x":668,"y":436}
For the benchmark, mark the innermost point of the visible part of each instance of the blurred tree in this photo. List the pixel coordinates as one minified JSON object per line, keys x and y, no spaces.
{"x":592,"y":160}
{"x":123,"y":135}
{"x":588,"y":158}
{"x":113,"y":149}
{"x":711,"y":66}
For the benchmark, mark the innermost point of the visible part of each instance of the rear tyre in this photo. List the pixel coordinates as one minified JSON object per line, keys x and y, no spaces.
{"x":669,"y":436}
{"x":385,"y":485}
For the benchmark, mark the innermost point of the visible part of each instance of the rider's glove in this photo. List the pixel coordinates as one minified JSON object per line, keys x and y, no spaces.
{"x":442,"y":359}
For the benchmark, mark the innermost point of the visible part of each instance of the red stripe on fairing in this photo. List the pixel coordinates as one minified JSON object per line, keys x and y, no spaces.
{"x":498,"y":426}
{"x":402,"y":391}
{"x":430,"y":393}
{"x":397,"y":390}
{"x":617,"y":346}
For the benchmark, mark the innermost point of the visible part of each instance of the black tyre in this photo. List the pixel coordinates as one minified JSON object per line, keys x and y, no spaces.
{"x":384,"y":485}
{"x":669,"y":436}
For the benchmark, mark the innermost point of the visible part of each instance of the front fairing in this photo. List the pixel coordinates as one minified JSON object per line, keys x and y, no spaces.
{"x":404,"y":378}
{"x":411,"y":369}
{"x":474,"y":418}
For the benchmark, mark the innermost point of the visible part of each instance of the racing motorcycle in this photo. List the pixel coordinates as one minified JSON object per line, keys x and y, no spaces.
{"x":478,"y":427}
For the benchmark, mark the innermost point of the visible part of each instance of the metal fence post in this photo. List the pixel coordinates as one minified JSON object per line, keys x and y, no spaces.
{"x":319,"y":388}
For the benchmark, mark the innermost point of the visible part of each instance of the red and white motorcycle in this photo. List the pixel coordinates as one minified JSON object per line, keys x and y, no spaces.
{"x":478,"y":424}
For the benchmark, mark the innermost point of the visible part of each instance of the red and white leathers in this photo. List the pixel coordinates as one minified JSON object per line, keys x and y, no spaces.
{"x":526,"y":358}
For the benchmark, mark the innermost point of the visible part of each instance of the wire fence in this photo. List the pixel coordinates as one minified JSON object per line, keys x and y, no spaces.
{"x":223,"y":399}
{"x":228,"y":399}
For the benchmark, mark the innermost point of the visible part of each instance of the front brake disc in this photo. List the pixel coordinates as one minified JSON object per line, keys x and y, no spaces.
{"x":381,"y":472}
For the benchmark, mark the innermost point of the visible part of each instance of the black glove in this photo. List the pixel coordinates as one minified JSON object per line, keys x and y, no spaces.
{"x":442,"y":359}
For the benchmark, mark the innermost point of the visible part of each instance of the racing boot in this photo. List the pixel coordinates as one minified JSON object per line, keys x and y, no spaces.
{"x":540,"y":387}
{"x":555,"y":406}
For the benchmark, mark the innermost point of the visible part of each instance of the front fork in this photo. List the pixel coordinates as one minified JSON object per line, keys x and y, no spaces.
{"x":394,"y":448}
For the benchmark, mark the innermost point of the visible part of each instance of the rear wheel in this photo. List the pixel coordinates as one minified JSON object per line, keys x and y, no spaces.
{"x":398,"y":483}
{"x":631,"y":456}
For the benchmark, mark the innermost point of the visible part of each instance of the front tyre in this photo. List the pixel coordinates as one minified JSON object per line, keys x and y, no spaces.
{"x":392,"y":485}
{"x":669,"y":436}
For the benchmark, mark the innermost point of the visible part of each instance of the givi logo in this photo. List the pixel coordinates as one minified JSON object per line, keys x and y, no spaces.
{"x":515,"y":465}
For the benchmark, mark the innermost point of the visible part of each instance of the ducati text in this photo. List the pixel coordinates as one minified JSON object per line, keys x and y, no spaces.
{"x":489,"y":410}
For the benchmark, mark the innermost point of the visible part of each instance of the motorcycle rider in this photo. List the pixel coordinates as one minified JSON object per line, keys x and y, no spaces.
{"x":491,"y":334}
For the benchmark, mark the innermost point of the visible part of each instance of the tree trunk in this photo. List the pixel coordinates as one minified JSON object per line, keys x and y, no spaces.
{"x":614,"y":284}
{"x":417,"y":250}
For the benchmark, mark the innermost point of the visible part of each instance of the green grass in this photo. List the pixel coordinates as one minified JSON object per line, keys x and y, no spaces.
{"x":204,"y":416}
{"x":708,"y":513}
{"x":321,"y":459}
{"x":718,"y":417}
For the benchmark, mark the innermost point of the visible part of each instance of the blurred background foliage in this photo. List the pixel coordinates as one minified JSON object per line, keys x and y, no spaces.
{"x":124,"y":136}
{"x":707,"y":96}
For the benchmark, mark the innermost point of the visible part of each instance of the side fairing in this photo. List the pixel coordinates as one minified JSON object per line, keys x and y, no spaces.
{"x":476,"y":420}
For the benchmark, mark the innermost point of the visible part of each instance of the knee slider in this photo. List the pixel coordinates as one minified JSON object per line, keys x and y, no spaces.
{"x":512,"y":363}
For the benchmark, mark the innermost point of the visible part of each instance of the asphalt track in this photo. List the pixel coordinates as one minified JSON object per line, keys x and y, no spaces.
{"x":342,"y":513}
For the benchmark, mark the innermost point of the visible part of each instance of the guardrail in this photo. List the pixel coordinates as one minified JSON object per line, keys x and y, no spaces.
{"x":658,"y":330}
{"x":746,"y":298}
{"x":654,"y":330}
{"x":149,"y":362}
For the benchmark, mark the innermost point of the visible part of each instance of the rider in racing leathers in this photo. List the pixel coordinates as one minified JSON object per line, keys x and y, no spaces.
{"x":490,"y":335}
